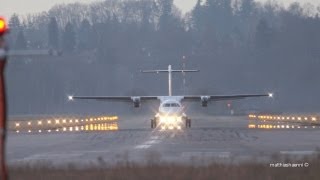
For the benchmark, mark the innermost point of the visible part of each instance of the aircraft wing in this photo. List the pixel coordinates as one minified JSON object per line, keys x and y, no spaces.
{"x":136,"y":100}
{"x":225,"y":97}
{"x":113,"y":98}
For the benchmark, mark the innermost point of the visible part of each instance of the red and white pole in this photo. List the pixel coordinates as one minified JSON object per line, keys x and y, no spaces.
{"x":3,"y":59}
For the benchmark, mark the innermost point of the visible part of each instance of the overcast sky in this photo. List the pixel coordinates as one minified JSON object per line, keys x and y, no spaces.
{"x":8,"y":7}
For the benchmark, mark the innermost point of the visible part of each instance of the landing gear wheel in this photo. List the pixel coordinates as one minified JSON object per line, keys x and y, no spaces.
{"x":188,"y":123}
{"x":154,"y":123}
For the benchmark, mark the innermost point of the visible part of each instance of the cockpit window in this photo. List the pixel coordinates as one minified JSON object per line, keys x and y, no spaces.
{"x":175,"y":105}
{"x":171,"y":105}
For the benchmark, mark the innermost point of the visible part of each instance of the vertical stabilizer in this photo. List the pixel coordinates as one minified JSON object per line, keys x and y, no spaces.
{"x":169,"y":71}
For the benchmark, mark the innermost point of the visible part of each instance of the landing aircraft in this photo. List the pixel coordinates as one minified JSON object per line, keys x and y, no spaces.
{"x":171,"y":113}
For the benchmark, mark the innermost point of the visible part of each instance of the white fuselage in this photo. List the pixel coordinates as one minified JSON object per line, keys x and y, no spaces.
{"x":171,"y":112}
{"x":171,"y":108}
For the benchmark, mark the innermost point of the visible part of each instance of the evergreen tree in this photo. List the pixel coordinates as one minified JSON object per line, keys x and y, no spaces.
{"x":15,"y":27}
{"x":85,"y":36}
{"x":146,"y":14}
{"x":69,"y":38}
{"x":21,"y":42}
{"x":53,"y":34}
{"x":219,"y":16}
{"x":263,"y":34}
{"x":247,"y":8}
{"x":14,"y":23}
{"x":198,"y":16}
{"x":166,"y":13}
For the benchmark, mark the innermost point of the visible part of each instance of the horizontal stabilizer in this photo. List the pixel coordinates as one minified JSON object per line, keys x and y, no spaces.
{"x":166,"y":71}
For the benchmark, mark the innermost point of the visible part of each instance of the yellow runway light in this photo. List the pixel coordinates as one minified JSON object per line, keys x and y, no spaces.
{"x":251,"y":126}
{"x":39,"y":122}
{"x":17,"y":124}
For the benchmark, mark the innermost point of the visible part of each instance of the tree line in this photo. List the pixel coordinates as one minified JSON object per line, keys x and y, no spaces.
{"x":239,"y":44}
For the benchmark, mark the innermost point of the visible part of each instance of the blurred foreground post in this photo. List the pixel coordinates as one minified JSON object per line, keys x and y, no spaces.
{"x":3,"y":111}
{"x":3,"y":59}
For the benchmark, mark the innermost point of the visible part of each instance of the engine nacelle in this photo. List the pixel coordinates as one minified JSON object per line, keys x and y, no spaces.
{"x":205,"y":100}
{"x":136,"y":102}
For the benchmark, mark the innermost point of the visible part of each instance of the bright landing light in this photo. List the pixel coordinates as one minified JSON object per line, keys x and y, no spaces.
{"x":70,"y":98}
{"x":270,"y":95}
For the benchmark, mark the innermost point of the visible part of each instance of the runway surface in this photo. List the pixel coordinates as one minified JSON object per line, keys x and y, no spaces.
{"x":210,"y":138}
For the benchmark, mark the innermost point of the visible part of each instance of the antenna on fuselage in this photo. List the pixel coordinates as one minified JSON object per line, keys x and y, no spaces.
{"x":169,"y":71}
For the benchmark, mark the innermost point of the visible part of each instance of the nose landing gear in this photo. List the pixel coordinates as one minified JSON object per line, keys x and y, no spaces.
{"x":188,"y":122}
{"x":155,"y":122}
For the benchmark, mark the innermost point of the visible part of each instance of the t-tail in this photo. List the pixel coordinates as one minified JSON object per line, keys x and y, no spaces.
{"x":169,"y":71}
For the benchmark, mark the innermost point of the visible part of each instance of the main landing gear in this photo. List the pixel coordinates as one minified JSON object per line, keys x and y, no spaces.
{"x":188,"y":122}
{"x":154,"y":123}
